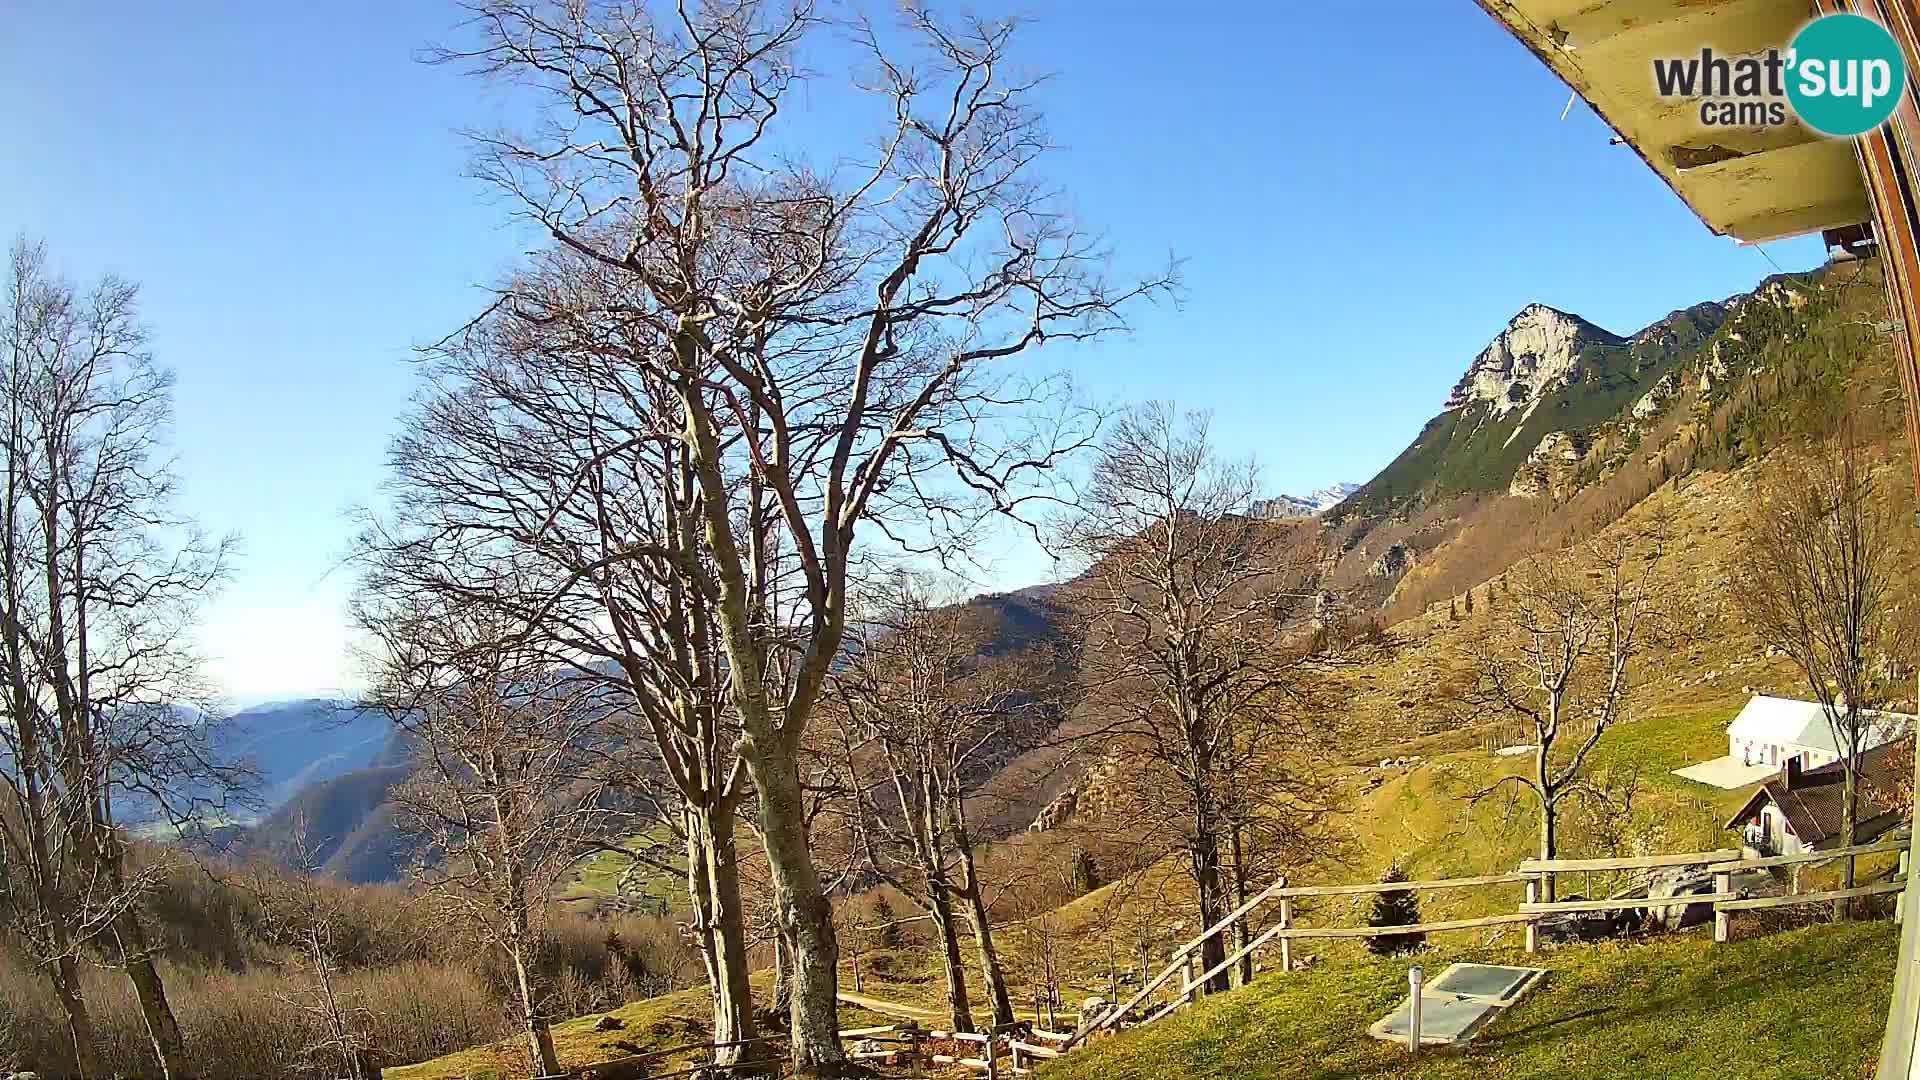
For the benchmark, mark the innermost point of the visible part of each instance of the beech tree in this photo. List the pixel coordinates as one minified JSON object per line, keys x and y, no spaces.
{"x":507,"y":790}
{"x":1560,"y":656}
{"x":1198,"y":651}
{"x":532,"y":480}
{"x":932,"y":714}
{"x":99,"y":584}
{"x":1821,"y":557}
{"x":827,"y":336}
{"x":306,"y":914}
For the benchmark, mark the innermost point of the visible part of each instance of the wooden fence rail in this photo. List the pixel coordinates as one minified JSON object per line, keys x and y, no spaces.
{"x":1025,"y":1046}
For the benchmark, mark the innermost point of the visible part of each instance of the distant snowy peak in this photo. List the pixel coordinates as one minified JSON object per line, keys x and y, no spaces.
{"x":1331,"y":496}
{"x":1295,"y":506}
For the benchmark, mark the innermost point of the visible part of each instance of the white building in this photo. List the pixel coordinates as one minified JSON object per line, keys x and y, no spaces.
{"x":1772,"y":731}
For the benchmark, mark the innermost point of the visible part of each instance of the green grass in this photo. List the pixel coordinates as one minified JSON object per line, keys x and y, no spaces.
{"x":599,"y":874}
{"x":646,"y":1027}
{"x":1807,"y":1003}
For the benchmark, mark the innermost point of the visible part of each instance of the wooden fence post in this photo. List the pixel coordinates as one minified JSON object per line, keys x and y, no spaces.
{"x":1533,"y":927}
{"x":993,"y":1065}
{"x":1722,"y":883}
{"x":1286,"y":923}
{"x":1187,"y":984}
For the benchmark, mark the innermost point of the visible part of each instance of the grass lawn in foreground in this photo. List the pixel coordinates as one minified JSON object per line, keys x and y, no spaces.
{"x":1808,"y":1003}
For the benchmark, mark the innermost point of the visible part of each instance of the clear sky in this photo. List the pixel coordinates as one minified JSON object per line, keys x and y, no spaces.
{"x":1363,"y":194}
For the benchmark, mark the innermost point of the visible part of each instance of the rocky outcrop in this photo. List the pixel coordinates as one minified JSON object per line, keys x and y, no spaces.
{"x":1393,"y":562}
{"x":1538,"y":351}
{"x":1090,"y":797}
{"x":1057,"y":812}
{"x":1683,"y":329}
{"x":1552,"y":467}
{"x":1674,"y":886}
{"x":1655,"y":399}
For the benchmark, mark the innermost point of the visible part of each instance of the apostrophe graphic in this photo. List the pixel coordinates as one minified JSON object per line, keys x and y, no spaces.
{"x":1845,"y":75}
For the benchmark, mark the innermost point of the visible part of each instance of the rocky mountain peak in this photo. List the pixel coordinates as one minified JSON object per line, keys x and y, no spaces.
{"x":1294,"y":506}
{"x":1539,"y":350}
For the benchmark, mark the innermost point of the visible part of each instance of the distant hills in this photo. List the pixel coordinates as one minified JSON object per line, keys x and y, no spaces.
{"x":344,"y":826}
{"x":295,"y":744}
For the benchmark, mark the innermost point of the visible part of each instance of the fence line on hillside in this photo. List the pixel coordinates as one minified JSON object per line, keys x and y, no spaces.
{"x":1022,"y":1046}
{"x":1533,"y":875}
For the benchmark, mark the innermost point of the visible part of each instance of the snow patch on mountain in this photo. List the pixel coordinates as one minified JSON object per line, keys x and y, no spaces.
{"x":1311,"y":505}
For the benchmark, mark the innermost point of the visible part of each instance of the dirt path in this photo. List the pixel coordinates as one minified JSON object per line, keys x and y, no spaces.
{"x":891,"y":1008}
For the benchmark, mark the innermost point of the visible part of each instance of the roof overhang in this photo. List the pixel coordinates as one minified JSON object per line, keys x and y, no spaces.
{"x":1751,"y":183}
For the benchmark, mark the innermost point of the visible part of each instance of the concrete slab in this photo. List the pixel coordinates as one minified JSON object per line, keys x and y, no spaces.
{"x":1458,"y":1005}
{"x":1726,"y":773}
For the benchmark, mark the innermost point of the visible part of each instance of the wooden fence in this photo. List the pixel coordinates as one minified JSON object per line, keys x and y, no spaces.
{"x":1535,"y":877}
{"x":1016,"y":1049}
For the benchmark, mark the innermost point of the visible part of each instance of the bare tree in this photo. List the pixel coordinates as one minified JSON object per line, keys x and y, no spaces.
{"x":507,"y":790}
{"x":307,"y":915}
{"x":1559,"y":655}
{"x":99,"y":584}
{"x":1199,"y":642}
{"x":1820,"y":559}
{"x":824,"y":335}
{"x":934,"y":713}
{"x":531,"y":481}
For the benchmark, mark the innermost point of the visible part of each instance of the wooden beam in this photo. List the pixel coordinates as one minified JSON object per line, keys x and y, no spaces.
{"x":1766,"y":861}
{"x":1536,"y":867}
{"x":1599,"y":25}
{"x":1759,"y":902}
{"x":1179,"y":960}
{"x":1402,"y":886}
{"x":1414,"y":928}
{"x":1628,"y":903}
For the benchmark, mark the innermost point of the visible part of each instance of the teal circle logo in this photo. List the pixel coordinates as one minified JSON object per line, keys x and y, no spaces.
{"x":1846,"y":75}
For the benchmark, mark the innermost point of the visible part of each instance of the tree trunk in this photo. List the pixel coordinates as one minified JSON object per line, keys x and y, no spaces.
{"x":996,"y":980}
{"x":539,"y":1030}
{"x":519,"y":929}
{"x":163,"y":1029}
{"x":1241,"y":932}
{"x":64,"y":974}
{"x":1549,"y":811}
{"x":713,"y":880}
{"x":782,"y":996}
{"x":940,"y":904}
{"x":1849,"y":816}
{"x":801,"y":909}
{"x":1212,"y":895}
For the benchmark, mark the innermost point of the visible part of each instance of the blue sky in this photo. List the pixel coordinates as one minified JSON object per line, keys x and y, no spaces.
{"x":1362,"y":194}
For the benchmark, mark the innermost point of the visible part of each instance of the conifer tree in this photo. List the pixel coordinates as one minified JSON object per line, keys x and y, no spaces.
{"x":1469,"y":602}
{"x":1086,"y":876}
{"x":883,"y":920}
{"x":1395,"y":907}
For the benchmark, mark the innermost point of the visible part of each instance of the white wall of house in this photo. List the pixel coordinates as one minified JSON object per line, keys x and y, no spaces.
{"x":1769,"y":830}
{"x":1776,"y":754}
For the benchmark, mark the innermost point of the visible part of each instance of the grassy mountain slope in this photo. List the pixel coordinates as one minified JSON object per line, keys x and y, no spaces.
{"x":1810,"y":1003}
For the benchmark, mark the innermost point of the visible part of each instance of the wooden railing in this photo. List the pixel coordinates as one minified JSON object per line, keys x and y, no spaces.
{"x":1723,"y":865}
{"x":1022,"y":1047}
